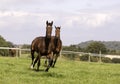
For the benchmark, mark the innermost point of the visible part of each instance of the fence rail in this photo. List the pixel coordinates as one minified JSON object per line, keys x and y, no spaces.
{"x":17,"y":49}
{"x":66,"y":52}
{"x":9,"y":48}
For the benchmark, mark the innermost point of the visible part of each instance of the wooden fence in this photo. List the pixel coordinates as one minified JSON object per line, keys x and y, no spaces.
{"x":19,"y":50}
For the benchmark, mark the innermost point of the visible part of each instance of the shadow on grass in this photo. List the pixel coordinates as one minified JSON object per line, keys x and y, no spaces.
{"x":35,"y":70}
{"x":40,"y":70}
{"x":53,"y":74}
{"x":48,"y":74}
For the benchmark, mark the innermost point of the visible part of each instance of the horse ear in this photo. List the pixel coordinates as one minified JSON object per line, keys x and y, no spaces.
{"x":47,"y":22}
{"x":52,"y":22}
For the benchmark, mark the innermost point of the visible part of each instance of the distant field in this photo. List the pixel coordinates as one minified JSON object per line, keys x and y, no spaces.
{"x":17,"y":71}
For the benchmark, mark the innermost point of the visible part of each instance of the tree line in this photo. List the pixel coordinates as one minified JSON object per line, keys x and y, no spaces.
{"x":95,"y":47}
{"x":106,"y":47}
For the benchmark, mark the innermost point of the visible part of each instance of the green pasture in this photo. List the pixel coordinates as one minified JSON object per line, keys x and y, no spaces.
{"x":15,"y":70}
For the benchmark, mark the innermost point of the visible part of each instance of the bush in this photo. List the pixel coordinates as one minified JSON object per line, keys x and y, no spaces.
{"x":116,"y":60}
{"x":106,"y":60}
{"x":69,"y":56}
{"x":94,"y":58}
{"x":84,"y":57}
{"x":4,"y":52}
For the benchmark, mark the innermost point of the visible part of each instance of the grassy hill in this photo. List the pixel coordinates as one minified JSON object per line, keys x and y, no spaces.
{"x":112,"y":45}
{"x":17,"y":71}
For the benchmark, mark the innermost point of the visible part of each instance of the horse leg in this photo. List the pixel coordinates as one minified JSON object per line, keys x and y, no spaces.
{"x":50,"y":60}
{"x":32,"y":54}
{"x":35,"y":61}
{"x":55,"y":59}
{"x":49,"y":65}
{"x":38,"y":64}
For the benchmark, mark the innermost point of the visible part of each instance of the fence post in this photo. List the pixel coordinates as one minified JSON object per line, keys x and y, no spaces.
{"x":89,"y":57}
{"x":100,"y":56}
{"x":16,"y":53}
{"x":19,"y":53}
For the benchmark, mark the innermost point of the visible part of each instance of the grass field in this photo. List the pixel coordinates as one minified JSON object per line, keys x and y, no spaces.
{"x":17,"y":71}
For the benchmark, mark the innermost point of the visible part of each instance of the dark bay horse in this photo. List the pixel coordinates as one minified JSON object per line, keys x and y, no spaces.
{"x":12,"y":52}
{"x":56,"y":46}
{"x":43,"y":46}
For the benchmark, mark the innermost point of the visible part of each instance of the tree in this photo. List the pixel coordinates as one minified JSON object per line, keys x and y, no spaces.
{"x":96,"y":47}
{"x":72,"y":48}
{"x":4,"y":43}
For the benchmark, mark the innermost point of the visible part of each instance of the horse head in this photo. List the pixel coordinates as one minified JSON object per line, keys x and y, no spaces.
{"x":57,"y":32}
{"x":49,"y":29}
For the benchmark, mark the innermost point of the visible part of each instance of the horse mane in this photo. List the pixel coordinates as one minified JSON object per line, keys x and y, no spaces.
{"x":47,"y":43}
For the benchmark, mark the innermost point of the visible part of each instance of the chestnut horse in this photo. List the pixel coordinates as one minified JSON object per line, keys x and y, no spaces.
{"x":56,"y":46}
{"x":42,"y":45}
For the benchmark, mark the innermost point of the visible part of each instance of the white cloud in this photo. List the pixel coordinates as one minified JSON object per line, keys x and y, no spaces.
{"x":96,"y":20}
{"x":12,"y":13}
{"x":89,"y":20}
{"x":19,"y":16}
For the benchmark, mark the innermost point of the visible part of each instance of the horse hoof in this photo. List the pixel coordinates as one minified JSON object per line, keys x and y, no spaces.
{"x":31,"y":67}
{"x":52,"y":66}
{"x":37,"y":70}
{"x":46,"y":70}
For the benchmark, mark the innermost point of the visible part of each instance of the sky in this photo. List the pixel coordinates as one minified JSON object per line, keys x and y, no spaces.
{"x":80,"y":20}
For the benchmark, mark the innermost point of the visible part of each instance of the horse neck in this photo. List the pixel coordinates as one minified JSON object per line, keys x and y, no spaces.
{"x":47,"y":42}
{"x":56,"y":41}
